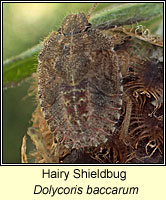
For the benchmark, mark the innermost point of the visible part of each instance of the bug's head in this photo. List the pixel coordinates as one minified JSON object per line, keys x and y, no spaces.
{"x":74,"y":24}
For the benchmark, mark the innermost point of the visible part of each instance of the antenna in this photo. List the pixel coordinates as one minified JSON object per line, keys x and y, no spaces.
{"x":91,"y":10}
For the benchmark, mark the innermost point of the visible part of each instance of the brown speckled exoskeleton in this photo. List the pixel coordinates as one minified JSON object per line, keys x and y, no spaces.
{"x":79,"y":84}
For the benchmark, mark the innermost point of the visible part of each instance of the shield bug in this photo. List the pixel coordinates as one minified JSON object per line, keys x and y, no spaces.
{"x":79,"y":84}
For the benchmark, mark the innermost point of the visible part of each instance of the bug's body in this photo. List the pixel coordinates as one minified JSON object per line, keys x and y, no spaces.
{"x":79,"y":84}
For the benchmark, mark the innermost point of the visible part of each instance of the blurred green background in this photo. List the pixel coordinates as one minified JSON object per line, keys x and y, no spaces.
{"x":25,"y":25}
